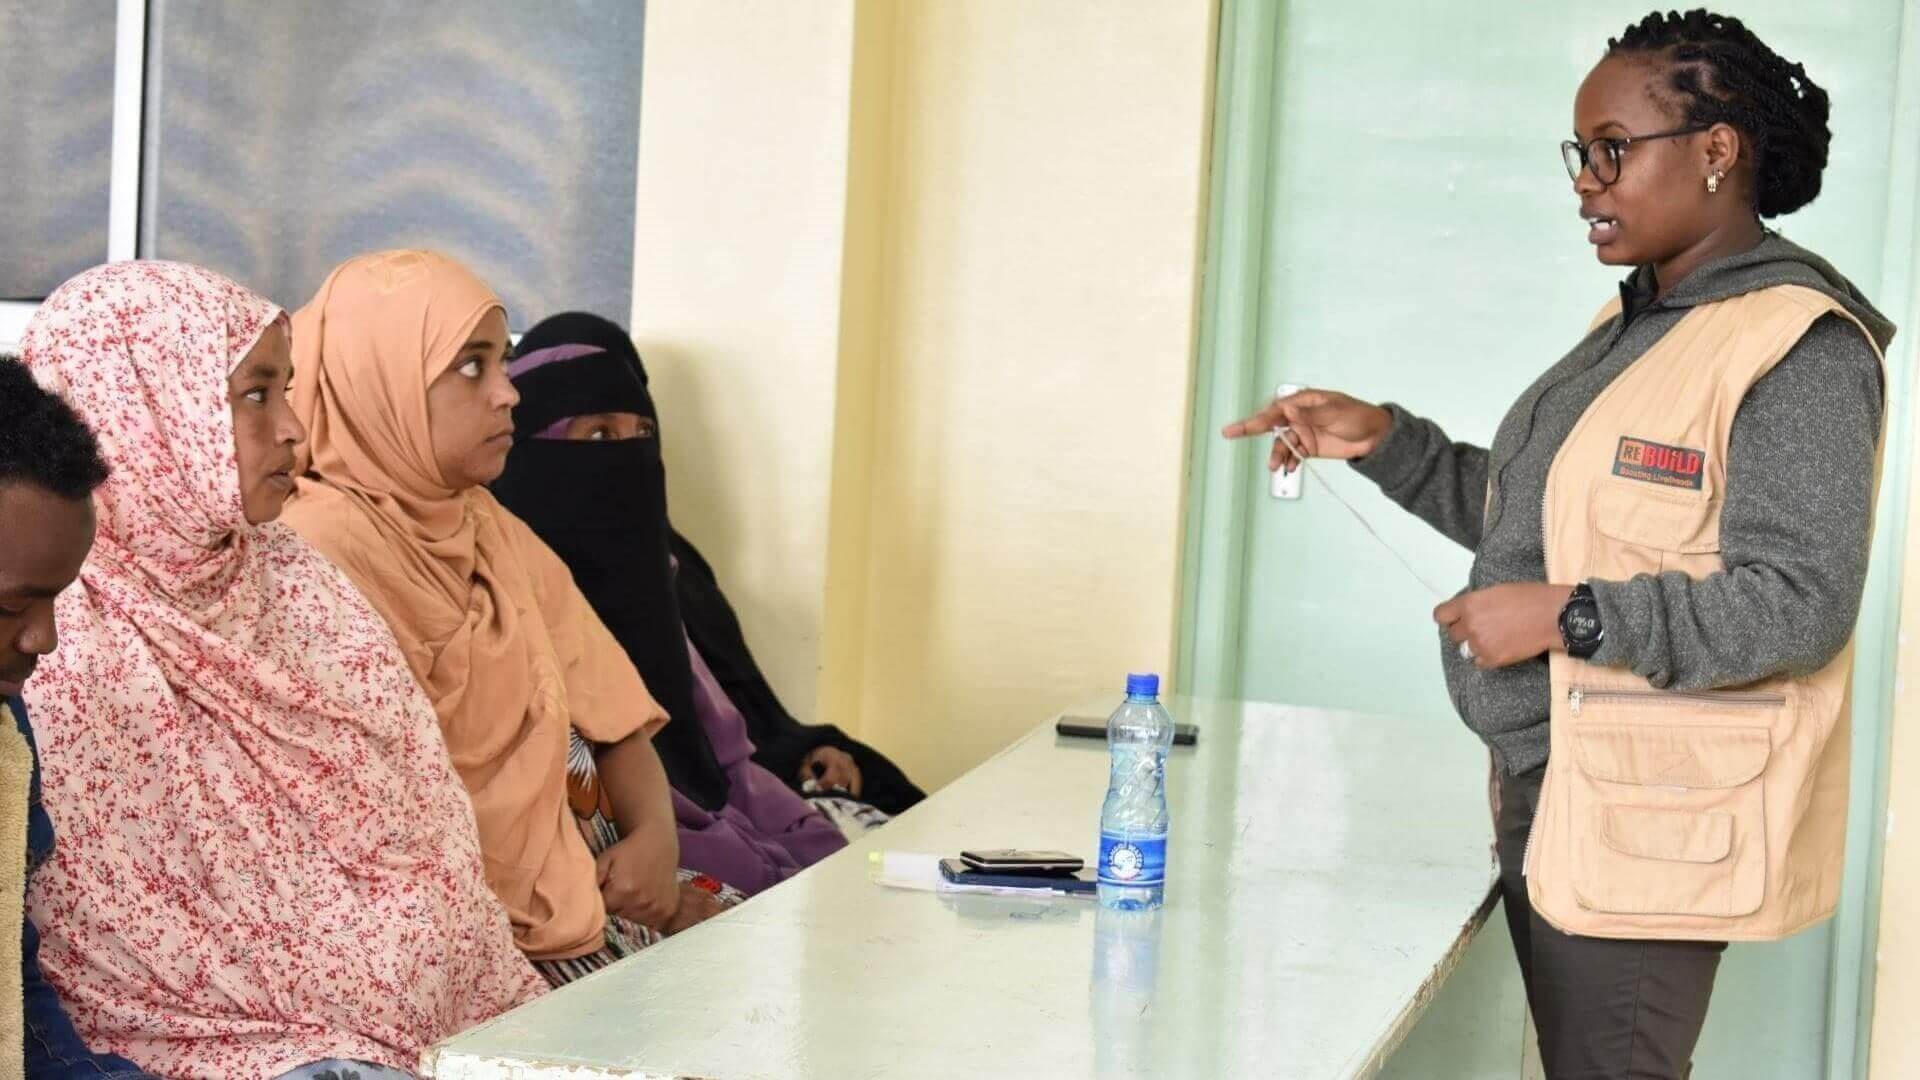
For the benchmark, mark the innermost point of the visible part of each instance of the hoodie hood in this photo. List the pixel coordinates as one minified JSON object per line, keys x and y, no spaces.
{"x":1776,"y":260}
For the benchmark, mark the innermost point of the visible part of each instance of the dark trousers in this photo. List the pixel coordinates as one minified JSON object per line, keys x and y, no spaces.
{"x":1606,"y":1009}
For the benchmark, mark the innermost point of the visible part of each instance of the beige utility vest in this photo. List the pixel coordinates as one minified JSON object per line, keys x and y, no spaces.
{"x":16,"y":780}
{"x":1718,"y":815}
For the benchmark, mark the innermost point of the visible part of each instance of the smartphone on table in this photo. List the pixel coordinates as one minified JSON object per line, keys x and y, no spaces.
{"x":1015,"y":861}
{"x":959,"y":872}
{"x":1093,"y":727}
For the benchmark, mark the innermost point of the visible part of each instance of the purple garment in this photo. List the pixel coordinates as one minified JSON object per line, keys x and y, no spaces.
{"x":520,"y":365}
{"x":765,"y":833}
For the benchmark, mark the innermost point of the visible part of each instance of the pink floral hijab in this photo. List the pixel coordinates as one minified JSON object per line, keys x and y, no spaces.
{"x":264,"y":856}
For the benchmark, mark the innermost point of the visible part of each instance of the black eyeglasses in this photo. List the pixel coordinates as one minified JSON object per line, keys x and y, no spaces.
{"x":1603,"y":155}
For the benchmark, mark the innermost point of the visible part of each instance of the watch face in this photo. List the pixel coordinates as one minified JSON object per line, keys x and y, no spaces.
{"x":1583,"y":622}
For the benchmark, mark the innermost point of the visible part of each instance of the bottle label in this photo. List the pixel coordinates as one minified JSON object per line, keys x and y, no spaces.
{"x":1126,"y":860}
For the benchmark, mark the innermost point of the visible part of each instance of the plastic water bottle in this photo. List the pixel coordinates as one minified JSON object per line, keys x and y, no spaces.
{"x":1133,"y":821}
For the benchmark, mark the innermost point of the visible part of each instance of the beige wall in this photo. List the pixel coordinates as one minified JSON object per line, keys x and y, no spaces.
{"x":1031,"y":412}
{"x":737,"y":283}
{"x":1895,"y":1047}
{"x":919,"y":280}
{"x":1894,"y":1050}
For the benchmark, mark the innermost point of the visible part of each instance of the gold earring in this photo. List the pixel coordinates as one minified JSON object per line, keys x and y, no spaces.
{"x":1713,"y":182}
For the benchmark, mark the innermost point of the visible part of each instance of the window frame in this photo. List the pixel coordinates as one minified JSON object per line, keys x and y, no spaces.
{"x":123,"y":177}
{"x":124,"y":168}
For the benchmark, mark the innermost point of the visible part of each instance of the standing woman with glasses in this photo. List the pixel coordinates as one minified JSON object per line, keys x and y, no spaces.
{"x":1670,"y":537}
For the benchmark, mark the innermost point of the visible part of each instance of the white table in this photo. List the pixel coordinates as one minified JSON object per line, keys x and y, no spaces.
{"x":1327,"y":870}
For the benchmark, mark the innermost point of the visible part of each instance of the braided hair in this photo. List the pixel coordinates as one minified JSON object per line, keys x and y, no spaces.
{"x":1721,"y":73}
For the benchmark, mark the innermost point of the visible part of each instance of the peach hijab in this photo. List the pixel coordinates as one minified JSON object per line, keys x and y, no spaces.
{"x":487,"y":616}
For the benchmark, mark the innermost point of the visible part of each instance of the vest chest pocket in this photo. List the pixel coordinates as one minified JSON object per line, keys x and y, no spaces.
{"x":1638,"y":528}
{"x":1669,"y":818}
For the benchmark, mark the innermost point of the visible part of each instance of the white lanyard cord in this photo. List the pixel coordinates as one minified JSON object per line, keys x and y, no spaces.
{"x":1285,"y":435}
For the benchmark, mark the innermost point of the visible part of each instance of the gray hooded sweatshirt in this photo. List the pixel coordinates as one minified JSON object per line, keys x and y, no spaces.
{"x":1794,"y":529}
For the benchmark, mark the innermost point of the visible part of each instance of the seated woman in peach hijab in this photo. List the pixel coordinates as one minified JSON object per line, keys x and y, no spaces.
{"x":265,"y":859}
{"x":404,"y":391}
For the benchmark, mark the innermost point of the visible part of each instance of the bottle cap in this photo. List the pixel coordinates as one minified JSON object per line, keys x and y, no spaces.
{"x":1143,"y":685}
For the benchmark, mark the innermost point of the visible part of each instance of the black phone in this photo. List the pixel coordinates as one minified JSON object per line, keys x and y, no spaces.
{"x":1091,"y":727}
{"x":958,"y":872}
{"x":1013,"y":861}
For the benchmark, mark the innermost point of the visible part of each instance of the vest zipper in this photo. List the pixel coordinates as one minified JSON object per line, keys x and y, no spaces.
{"x":1533,"y":417}
{"x":1526,"y":853}
{"x":1576,"y":696}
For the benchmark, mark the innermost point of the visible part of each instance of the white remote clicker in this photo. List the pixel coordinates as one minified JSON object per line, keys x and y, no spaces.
{"x":1282,"y":485}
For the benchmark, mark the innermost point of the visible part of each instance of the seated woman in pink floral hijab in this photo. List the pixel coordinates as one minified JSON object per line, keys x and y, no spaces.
{"x":266,"y":859}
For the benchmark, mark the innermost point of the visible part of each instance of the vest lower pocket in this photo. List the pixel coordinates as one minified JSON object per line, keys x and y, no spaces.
{"x":1669,"y":819}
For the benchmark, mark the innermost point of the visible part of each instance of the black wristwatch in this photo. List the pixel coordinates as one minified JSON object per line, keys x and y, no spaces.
{"x":1580,"y":629}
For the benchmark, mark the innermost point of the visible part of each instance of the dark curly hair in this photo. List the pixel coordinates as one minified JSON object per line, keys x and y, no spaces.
{"x":1719,"y":72}
{"x":42,"y":442}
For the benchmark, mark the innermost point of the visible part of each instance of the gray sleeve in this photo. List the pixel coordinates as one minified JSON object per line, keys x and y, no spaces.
{"x":1794,"y":533}
{"x":1442,"y":483}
